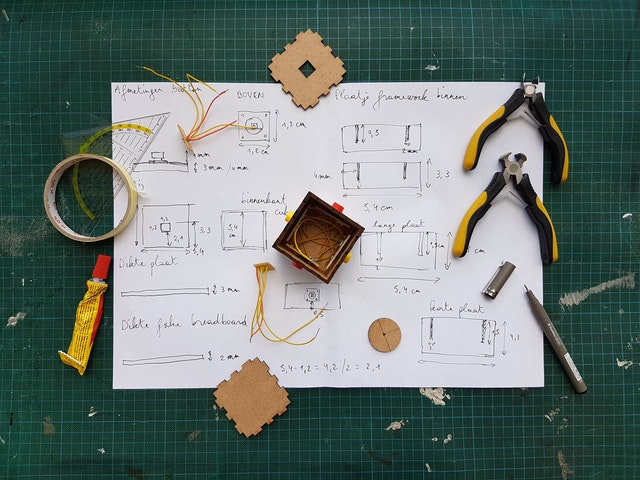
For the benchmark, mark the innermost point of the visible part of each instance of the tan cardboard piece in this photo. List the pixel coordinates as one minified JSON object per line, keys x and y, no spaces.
{"x":252,"y":397}
{"x":328,"y":69}
{"x":384,"y":335}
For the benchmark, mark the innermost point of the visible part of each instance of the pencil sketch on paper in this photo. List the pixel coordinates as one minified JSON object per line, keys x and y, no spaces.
{"x":381,"y":138}
{"x":184,"y":290}
{"x":417,"y":250}
{"x":166,"y":227}
{"x":165,"y":292}
{"x":243,"y":230}
{"x":312,"y":296}
{"x":441,"y":336}
{"x":162,"y":360}
{"x":382,"y":176}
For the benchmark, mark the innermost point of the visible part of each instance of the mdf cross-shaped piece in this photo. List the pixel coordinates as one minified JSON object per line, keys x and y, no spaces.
{"x":252,"y":397}
{"x":305,"y":90}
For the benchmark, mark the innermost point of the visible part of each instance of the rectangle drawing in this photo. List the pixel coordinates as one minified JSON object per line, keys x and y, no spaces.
{"x":312,"y":295}
{"x":382,"y":175}
{"x":165,"y":227}
{"x":244,"y":229}
{"x":458,"y":337}
{"x":381,"y":138}
{"x":185,"y":287}
{"x":405,"y":250}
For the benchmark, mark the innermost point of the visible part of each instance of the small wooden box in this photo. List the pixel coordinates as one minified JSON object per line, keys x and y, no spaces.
{"x":318,"y":237}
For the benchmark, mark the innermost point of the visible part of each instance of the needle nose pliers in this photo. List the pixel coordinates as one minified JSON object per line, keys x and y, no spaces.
{"x":536,"y":210}
{"x":526,"y":100}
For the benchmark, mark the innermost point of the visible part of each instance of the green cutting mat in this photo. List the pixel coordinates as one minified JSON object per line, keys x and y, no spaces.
{"x":57,"y":60}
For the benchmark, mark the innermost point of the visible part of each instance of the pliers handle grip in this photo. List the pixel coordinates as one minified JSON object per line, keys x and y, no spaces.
{"x":541,"y":219}
{"x":534,"y":207}
{"x":553,"y":139}
{"x":476,"y":211}
{"x":489,"y":126}
{"x":547,"y":127}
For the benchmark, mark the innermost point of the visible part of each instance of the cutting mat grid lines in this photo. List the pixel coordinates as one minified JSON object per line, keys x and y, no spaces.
{"x":58,"y":60}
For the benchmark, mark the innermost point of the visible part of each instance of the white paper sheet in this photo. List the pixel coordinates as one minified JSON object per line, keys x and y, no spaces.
{"x":391,"y":154}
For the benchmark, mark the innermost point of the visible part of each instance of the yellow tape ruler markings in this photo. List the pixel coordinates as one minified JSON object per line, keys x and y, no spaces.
{"x":84,"y":148}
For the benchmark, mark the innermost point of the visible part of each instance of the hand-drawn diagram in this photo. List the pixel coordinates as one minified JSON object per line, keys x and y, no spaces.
{"x":382,"y":175}
{"x":156,"y":161}
{"x":255,"y":126}
{"x":257,"y":129}
{"x":165,"y":292}
{"x":381,"y":138}
{"x":166,"y":227}
{"x":404,"y":250}
{"x":184,"y":293}
{"x":138,"y":362}
{"x":441,"y":337}
{"x":244,"y":230}
{"x":312,"y":295}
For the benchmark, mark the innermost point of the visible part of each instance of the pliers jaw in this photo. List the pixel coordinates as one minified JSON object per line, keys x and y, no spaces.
{"x":530,"y":88}
{"x":525,"y":100}
{"x":535,"y":209}
{"x":511,"y":168}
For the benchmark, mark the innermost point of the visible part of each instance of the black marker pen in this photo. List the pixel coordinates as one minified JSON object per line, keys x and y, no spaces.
{"x":556,"y":342}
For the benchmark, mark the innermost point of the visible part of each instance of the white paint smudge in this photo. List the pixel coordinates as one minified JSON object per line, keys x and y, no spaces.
{"x":571,"y":299}
{"x":15,"y":236}
{"x":396,"y":425}
{"x":432,"y":68}
{"x":627,"y":215}
{"x":436,"y":395}
{"x":2,"y":442}
{"x":552,"y":413}
{"x":448,"y":439}
{"x":626,"y":364}
{"x":102,"y":451}
{"x":428,"y":467}
{"x":13,"y":320}
{"x":633,"y":340}
{"x":564,"y":426}
{"x":92,"y":411}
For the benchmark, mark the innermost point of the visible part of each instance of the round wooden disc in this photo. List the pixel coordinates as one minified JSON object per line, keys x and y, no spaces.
{"x":384,"y":335}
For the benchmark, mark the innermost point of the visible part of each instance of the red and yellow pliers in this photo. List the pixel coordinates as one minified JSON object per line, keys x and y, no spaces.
{"x":528,"y":101}
{"x":536,"y":210}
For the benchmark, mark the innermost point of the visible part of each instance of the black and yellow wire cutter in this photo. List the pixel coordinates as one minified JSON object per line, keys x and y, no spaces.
{"x":527,"y":101}
{"x":536,"y":210}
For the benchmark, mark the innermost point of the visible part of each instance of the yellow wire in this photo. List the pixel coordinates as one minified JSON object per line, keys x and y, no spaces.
{"x":330,"y":235}
{"x":259,"y":321}
{"x":194,"y":133}
{"x":195,"y":104}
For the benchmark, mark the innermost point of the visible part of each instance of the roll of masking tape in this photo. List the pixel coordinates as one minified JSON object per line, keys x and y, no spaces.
{"x":52,"y":185}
